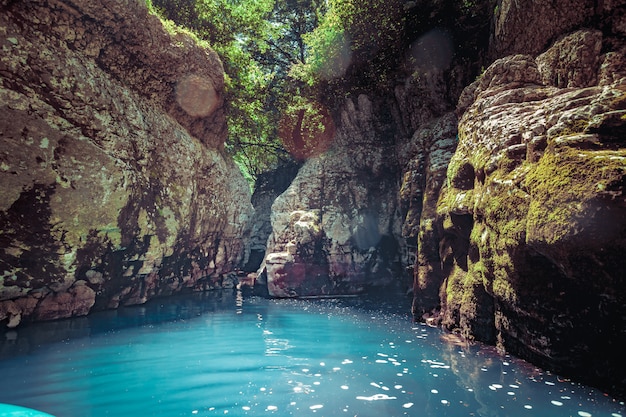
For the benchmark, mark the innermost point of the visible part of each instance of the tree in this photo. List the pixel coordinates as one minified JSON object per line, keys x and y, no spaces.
{"x":288,"y":61}
{"x":258,"y":42}
{"x":355,"y":39}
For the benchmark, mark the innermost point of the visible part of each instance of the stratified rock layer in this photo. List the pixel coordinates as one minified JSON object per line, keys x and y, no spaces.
{"x":113,"y":187}
{"x":532,"y":218}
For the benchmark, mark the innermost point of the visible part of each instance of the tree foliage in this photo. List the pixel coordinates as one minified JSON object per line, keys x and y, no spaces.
{"x":258,"y":42}
{"x":355,"y":39}
{"x":283,"y":58}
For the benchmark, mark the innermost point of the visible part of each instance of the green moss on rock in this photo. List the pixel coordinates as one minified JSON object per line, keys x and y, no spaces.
{"x":565,"y":187}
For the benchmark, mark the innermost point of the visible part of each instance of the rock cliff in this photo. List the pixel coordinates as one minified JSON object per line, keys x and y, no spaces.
{"x":524,"y":246}
{"x":336,"y":230}
{"x":267,"y":187}
{"x":350,"y":219}
{"x":113,"y":185}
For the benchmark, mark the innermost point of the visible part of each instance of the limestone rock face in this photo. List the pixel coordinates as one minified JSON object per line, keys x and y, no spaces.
{"x":532,"y":217}
{"x":336,"y":229}
{"x":530,"y":27}
{"x":268,"y":186}
{"x":431,"y":148}
{"x":113,"y":186}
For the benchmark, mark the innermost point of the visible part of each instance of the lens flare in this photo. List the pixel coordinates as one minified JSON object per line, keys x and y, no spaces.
{"x":338,"y":58}
{"x":433,"y":51}
{"x":306,"y":130}
{"x":197,"y":96}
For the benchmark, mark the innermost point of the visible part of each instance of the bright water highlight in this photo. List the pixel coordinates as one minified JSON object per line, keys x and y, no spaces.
{"x":218,"y":354}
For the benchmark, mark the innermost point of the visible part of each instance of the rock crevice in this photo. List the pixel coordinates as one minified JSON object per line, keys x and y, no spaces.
{"x":336,"y":229}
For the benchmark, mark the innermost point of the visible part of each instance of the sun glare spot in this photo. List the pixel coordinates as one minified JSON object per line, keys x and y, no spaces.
{"x":197,"y":96}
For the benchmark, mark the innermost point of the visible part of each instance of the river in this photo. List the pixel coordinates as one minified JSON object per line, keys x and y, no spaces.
{"x":219,"y":353}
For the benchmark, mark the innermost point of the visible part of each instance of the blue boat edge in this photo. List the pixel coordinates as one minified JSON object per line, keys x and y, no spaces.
{"x":8,"y":410}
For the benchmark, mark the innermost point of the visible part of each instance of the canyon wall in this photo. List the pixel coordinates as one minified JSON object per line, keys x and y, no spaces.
{"x":524,"y":245}
{"x":512,"y":189}
{"x":113,"y":183}
{"x":336,"y":230}
{"x":267,"y":187}
{"x":349,"y":221}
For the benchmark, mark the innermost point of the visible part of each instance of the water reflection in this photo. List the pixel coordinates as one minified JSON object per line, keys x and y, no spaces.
{"x":239,"y":302}
{"x":183,"y":307}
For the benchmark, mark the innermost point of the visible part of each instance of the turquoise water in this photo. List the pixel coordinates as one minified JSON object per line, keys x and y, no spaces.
{"x":220,"y":354}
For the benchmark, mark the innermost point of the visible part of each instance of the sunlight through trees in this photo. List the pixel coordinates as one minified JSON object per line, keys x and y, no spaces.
{"x":289,"y":63}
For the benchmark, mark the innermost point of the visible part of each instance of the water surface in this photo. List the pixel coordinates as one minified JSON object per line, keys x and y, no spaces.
{"x":219,"y":354}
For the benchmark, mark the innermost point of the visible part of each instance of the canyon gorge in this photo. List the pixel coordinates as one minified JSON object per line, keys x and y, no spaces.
{"x":486,"y":182}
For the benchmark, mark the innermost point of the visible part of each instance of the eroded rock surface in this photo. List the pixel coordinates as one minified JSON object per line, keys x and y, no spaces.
{"x":532,"y":218}
{"x":530,"y":27}
{"x":268,"y":186}
{"x":113,"y":186}
{"x":336,"y":229}
{"x":431,"y":148}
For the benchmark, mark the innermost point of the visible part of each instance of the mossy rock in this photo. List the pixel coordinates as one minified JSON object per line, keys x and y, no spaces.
{"x":570,"y":188}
